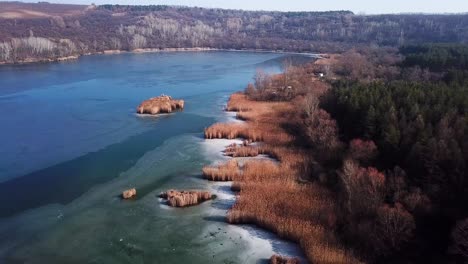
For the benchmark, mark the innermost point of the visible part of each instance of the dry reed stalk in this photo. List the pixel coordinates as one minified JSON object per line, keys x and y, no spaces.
{"x":237,"y":103}
{"x":224,"y":172}
{"x":127,"y":194}
{"x":255,"y":170}
{"x":185,"y":198}
{"x":270,"y":194}
{"x":160,"y":104}
{"x":277,"y":259}
{"x":231,"y":131}
{"x":242,"y":151}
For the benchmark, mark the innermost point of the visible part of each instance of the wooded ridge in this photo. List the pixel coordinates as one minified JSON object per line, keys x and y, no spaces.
{"x":43,"y":31}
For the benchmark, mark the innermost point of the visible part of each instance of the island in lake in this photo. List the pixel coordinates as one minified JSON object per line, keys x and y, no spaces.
{"x":159,"y":105}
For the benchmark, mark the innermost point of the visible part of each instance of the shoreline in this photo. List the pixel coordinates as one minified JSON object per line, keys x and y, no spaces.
{"x":262,"y":243}
{"x":270,"y":195}
{"x":156,"y":50}
{"x":264,"y":240}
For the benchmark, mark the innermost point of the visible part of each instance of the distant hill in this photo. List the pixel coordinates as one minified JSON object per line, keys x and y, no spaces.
{"x":31,"y":32}
{"x":19,"y":10}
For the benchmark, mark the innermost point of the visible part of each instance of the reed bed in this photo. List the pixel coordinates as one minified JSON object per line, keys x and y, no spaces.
{"x":252,"y":170}
{"x":243,"y":151}
{"x":160,"y":104}
{"x":245,"y":116}
{"x":277,"y":259}
{"x":185,"y":198}
{"x":255,"y":170}
{"x":273,"y":195}
{"x":237,"y":103}
{"x":224,"y":172}
{"x":232,"y":131}
{"x":130,"y":193}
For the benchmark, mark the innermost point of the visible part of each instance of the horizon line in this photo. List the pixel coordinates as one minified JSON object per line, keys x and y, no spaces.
{"x":359,"y":13}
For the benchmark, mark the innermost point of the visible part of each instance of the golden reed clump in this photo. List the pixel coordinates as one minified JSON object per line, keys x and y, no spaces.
{"x":232,"y":131}
{"x":250,"y":171}
{"x":276,"y":195}
{"x":160,"y":104}
{"x":277,"y":259}
{"x":244,"y":150}
{"x":130,"y":193}
{"x":185,"y":198}
{"x":237,"y":103}
{"x":224,"y":172}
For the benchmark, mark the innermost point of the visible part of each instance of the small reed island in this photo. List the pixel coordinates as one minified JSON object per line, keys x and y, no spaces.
{"x":128,"y":194}
{"x":160,"y":105}
{"x":185,"y":198}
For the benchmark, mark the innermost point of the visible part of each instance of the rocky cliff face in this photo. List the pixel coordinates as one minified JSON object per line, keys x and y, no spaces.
{"x":159,"y":105}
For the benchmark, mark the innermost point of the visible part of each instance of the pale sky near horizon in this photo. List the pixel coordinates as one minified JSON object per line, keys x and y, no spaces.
{"x":357,"y":6}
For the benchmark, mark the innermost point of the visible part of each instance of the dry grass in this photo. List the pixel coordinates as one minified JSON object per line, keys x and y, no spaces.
{"x":260,"y":125}
{"x":276,"y":259}
{"x":224,"y":172}
{"x":255,"y":170}
{"x":160,"y":104}
{"x":127,"y":194}
{"x":271,"y":194}
{"x":185,"y":198}
{"x":232,"y":131}
{"x":235,"y":150}
{"x":237,"y":103}
{"x":18,"y":10}
{"x":252,"y":170}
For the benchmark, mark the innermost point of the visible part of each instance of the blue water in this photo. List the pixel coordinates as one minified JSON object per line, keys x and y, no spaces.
{"x":70,"y":143}
{"x":55,"y":112}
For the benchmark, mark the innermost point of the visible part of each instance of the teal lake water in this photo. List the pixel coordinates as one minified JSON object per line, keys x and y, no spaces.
{"x":70,"y":143}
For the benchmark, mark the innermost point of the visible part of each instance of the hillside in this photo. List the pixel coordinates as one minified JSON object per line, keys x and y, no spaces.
{"x":48,"y":31}
{"x":18,"y":10}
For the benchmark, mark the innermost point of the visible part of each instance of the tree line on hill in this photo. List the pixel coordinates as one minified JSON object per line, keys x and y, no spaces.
{"x":111,"y":27}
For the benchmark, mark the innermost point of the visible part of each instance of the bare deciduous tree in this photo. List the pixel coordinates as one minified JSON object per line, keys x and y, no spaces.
{"x":138,"y":41}
{"x":395,"y":226}
{"x":5,"y":51}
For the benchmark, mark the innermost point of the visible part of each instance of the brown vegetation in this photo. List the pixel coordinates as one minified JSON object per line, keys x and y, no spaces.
{"x":294,"y":83}
{"x":378,"y":227}
{"x":18,"y":10}
{"x":224,"y":172}
{"x":185,"y":198}
{"x":362,"y":150}
{"x":160,"y":104}
{"x":129,"y":193}
{"x":276,"y":259}
{"x":265,"y":128}
{"x":229,"y":131}
{"x":243,"y":150}
{"x":364,"y":187}
{"x":387,"y":124}
{"x":274,"y":195}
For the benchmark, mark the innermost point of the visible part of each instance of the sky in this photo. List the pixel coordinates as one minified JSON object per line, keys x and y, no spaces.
{"x":357,"y":6}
